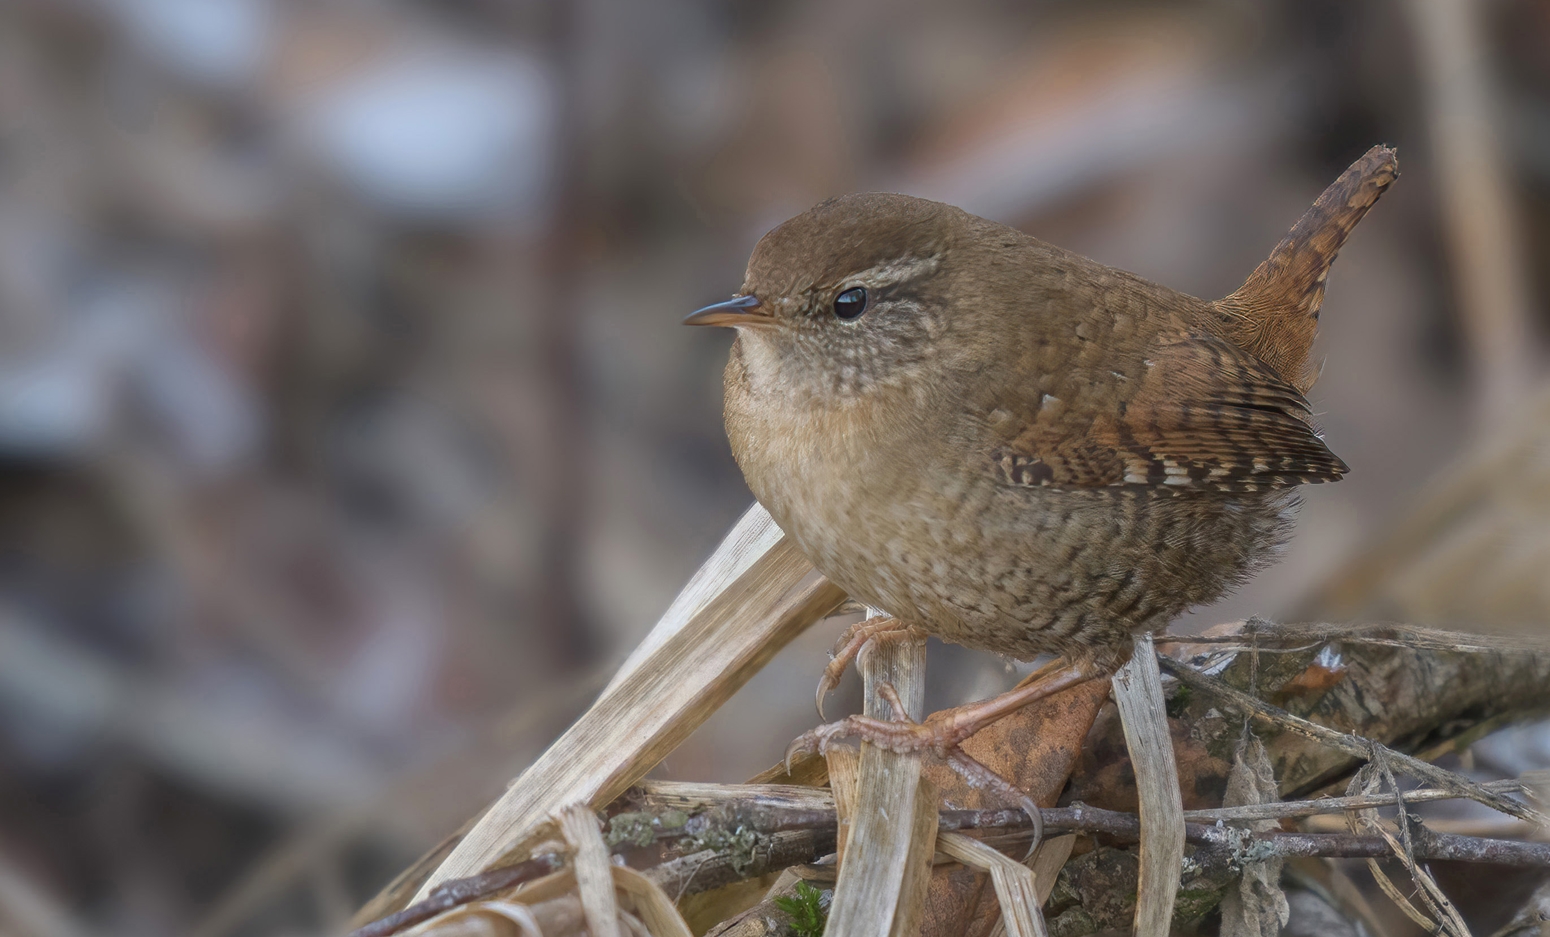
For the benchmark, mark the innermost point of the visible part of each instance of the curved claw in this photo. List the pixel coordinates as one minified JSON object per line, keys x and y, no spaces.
{"x":845,"y":651}
{"x":816,"y":741}
{"x":829,"y":680}
{"x":1032,"y":810}
{"x":794,"y":749}
{"x":849,"y":646}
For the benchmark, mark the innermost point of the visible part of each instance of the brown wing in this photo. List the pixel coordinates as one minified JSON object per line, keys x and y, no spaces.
{"x":1196,"y":413}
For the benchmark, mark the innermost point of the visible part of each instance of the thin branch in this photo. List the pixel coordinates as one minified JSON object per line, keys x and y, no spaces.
{"x":1270,"y":637}
{"x":459,"y":891}
{"x":758,"y":803}
{"x":1432,"y":846}
{"x":1353,"y":745}
{"x":792,"y":836}
{"x":1308,"y":808}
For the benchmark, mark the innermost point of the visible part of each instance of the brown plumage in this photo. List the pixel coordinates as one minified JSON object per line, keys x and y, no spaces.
{"x":1015,"y":447}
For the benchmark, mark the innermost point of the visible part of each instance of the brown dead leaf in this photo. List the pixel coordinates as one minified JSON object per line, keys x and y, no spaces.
{"x":1034,"y":748}
{"x":1103,"y":776}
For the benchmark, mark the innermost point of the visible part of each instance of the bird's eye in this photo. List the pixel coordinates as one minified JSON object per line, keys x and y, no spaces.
{"x":850,"y":303}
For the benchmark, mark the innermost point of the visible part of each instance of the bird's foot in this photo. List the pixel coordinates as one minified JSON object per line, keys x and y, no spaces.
{"x":904,"y":735}
{"x":943,"y":731}
{"x":849,"y":646}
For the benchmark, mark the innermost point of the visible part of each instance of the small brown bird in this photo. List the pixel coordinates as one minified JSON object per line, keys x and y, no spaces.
{"x":1013,"y":447}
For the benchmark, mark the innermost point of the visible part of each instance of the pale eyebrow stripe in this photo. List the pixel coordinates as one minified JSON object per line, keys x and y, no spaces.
{"x":900,"y":270}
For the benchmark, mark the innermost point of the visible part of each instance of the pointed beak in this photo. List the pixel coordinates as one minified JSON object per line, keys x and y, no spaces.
{"x":739,"y":310}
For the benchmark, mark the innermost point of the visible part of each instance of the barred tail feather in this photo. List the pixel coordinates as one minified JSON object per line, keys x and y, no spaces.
{"x":1274,"y":315}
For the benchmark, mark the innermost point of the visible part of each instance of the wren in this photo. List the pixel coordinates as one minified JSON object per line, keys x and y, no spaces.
{"x":1016,"y":448}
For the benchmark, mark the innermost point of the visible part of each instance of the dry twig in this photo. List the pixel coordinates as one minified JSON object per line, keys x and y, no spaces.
{"x":1143,"y":711}
{"x":594,"y":875}
{"x":713,"y":648}
{"x":1320,"y":805}
{"x":883,"y":853}
{"x":792,"y":835}
{"x":1015,"y":886}
{"x":1350,"y":744}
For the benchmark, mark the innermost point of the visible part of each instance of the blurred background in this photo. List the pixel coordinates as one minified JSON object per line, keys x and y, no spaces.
{"x":348,"y":436}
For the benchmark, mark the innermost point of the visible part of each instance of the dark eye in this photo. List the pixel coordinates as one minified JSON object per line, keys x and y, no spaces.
{"x":850,"y":303}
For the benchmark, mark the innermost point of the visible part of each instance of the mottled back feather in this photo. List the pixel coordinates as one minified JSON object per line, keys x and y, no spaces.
{"x":1220,"y":407}
{"x":1205,"y":415}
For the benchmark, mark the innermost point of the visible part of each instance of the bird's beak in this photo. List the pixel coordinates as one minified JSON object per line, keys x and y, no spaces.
{"x":739,"y":310}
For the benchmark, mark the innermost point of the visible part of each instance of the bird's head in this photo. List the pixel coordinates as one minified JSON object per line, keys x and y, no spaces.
{"x":845,"y":297}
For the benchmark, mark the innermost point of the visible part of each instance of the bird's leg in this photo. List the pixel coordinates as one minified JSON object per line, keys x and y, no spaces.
{"x":849,"y":646}
{"x":942,"y":731}
{"x":974,"y":771}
